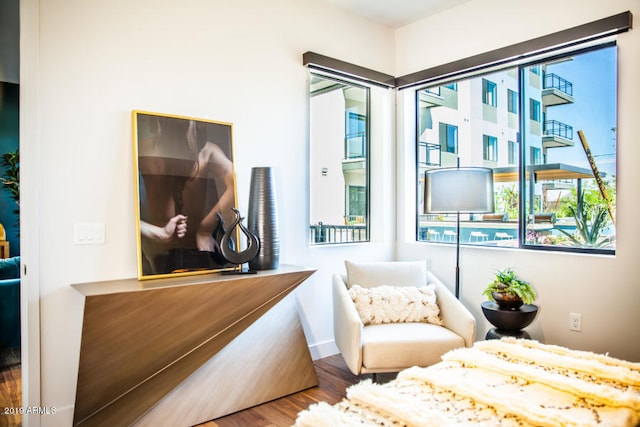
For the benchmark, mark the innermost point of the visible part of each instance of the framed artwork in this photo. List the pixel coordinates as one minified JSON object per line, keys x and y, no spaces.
{"x":185,"y":193}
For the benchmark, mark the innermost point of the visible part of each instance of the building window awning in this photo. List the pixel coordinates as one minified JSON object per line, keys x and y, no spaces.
{"x":546,"y":172}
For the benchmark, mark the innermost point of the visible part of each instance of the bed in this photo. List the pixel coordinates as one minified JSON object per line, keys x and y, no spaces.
{"x":507,"y":382}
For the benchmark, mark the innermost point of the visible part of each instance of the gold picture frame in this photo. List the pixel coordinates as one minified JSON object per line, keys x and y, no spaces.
{"x":185,"y":191}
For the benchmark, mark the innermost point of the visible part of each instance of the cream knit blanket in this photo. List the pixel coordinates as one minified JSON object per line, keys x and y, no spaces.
{"x":508,"y":382}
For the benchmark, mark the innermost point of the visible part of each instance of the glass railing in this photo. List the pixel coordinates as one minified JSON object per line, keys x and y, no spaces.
{"x":331,"y":233}
{"x":556,"y":128}
{"x":429,"y":154}
{"x":554,"y":81}
{"x":356,"y":145}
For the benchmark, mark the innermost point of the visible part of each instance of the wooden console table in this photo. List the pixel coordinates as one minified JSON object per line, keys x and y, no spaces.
{"x":181,"y":351}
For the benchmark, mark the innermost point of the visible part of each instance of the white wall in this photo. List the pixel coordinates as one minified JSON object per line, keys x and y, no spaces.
{"x":88,"y":64}
{"x":327,"y":130}
{"x":604,"y":289}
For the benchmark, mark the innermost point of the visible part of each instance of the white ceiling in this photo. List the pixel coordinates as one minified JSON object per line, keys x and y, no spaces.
{"x":396,"y":13}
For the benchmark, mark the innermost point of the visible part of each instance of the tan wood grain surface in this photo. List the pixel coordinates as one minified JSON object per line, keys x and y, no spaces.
{"x":140,"y":341}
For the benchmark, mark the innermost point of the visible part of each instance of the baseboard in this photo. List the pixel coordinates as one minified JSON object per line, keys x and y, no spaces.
{"x":323,"y":349}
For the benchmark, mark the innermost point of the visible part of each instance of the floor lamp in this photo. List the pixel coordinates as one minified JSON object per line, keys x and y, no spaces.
{"x":458,"y":190}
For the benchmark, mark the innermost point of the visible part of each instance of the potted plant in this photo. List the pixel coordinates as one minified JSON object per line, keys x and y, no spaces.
{"x":11,"y":177}
{"x":509,"y":291}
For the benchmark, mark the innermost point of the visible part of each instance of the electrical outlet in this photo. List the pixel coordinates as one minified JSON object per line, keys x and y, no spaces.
{"x":575,"y":322}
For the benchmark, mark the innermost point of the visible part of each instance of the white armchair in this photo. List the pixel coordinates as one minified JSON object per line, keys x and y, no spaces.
{"x":391,"y":347}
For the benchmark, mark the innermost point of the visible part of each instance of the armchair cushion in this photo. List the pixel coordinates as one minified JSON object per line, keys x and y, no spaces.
{"x":393,"y":347}
{"x":9,"y":302}
{"x":399,"y":273}
{"x":396,"y":304}
{"x":10,"y":268}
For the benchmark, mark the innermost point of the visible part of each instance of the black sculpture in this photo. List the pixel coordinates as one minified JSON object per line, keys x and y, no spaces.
{"x":228,"y":245}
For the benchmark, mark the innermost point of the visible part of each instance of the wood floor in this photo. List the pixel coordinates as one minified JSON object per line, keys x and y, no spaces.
{"x":333,"y":376}
{"x":10,"y":387}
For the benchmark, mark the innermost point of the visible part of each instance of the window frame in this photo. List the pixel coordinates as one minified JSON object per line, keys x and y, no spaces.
{"x":489,"y":93}
{"x":367,"y":86}
{"x":444,"y":137}
{"x":489,"y":148}
{"x":519,"y":144}
{"x":512,"y":152}
{"x":512,"y":101}
{"x":535,"y":110}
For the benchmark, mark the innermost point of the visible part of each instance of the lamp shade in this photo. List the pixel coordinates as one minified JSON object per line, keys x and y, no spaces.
{"x":454,"y":190}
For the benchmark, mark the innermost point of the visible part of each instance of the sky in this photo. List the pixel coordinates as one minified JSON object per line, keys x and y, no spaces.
{"x":593,"y":75}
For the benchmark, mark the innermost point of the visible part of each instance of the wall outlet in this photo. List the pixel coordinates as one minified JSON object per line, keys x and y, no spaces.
{"x":575,"y":322}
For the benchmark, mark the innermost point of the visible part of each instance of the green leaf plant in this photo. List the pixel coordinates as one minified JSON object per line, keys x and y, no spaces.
{"x":11,"y":177}
{"x":589,"y":233}
{"x":507,"y":282}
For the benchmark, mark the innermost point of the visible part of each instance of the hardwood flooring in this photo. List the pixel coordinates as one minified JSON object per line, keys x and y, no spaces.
{"x":333,"y":377}
{"x":10,"y":387}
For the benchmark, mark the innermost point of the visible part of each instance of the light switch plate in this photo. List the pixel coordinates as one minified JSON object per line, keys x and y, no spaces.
{"x":88,"y":233}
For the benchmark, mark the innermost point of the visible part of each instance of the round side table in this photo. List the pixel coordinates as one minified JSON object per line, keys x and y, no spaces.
{"x":508,"y":322}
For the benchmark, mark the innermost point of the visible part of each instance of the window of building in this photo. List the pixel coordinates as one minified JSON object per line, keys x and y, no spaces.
{"x":534,"y":110}
{"x":512,"y":101}
{"x":489,"y":93}
{"x":448,"y":138}
{"x":357,"y":204}
{"x":536,"y":156}
{"x":555,"y":187}
{"x":512,"y":152}
{"x":355,"y":139}
{"x":490,"y":148}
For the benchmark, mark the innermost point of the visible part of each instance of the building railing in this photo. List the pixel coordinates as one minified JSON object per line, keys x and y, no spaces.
{"x":355,"y":145}
{"x":554,"y":81}
{"x":328,"y":233}
{"x":429,"y":154}
{"x":435,"y":91}
{"x":556,"y":128}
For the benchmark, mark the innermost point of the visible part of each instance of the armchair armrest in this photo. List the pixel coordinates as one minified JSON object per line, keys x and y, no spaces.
{"x":347,"y":326}
{"x":454,"y":314}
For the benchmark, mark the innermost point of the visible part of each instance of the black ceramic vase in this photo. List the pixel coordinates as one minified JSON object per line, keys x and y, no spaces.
{"x":262,"y":218}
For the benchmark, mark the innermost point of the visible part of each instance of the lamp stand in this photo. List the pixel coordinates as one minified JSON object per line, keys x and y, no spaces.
{"x":456,"y":190}
{"x":457,"y":289}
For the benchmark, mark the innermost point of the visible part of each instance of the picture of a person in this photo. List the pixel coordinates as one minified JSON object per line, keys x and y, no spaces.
{"x":186,"y":186}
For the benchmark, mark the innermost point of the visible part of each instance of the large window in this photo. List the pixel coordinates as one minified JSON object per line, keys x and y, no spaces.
{"x":338,"y":161}
{"x":555,"y":185}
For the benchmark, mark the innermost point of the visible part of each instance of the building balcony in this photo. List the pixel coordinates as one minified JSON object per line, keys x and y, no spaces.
{"x":438,"y":96}
{"x":556,"y":90}
{"x":355,"y":145}
{"x":557,"y":134}
{"x":431,"y":98}
{"x":429,"y":154}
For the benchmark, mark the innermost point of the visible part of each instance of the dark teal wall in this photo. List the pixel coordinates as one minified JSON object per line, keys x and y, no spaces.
{"x":9,"y":141}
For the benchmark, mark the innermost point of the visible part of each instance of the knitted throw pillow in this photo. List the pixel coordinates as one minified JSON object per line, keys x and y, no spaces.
{"x":396,"y":304}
